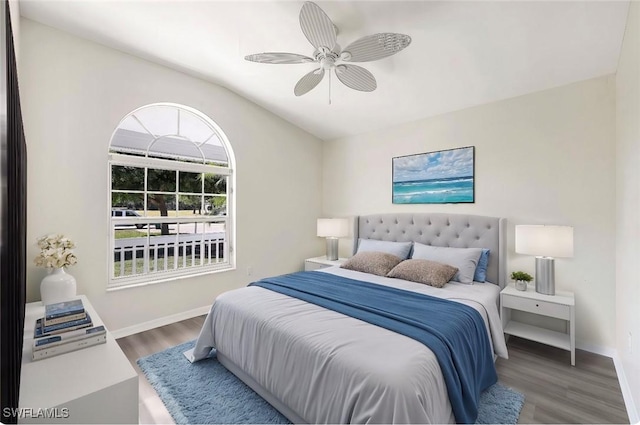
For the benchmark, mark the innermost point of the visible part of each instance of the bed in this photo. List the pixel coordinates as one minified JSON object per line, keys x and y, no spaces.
{"x":319,"y":366}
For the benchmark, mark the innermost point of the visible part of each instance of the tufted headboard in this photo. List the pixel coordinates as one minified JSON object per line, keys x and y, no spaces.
{"x":437,"y":229}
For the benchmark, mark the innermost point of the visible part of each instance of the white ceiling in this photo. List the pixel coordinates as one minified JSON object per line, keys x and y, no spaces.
{"x":462,"y":53}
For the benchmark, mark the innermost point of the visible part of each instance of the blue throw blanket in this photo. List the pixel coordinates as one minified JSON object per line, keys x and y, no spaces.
{"x":454,"y":332}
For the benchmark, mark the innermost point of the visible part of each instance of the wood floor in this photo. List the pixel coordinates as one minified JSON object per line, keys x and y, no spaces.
{"x":151,"y":408}
{"x":555,"y":391}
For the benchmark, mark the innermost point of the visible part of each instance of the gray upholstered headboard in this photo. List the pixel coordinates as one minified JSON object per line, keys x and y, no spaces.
{"x":437,"y":229}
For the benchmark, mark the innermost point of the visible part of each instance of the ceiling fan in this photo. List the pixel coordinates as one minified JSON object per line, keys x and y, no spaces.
{"x":322,"y":34}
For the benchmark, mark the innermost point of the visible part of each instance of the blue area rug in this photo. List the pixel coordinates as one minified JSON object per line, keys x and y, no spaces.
{"x":205,"y":392}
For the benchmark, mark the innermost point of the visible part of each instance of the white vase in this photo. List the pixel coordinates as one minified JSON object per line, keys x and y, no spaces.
{"x":521,"y":285}
{"x":57,"y":286}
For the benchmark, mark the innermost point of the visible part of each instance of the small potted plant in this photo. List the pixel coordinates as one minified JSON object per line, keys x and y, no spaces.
{"x":521,"y":279}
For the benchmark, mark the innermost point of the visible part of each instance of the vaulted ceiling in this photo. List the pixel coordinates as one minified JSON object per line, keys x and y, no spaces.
{"x":462,"y":53}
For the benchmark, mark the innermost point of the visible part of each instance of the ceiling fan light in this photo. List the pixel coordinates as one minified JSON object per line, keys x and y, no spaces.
{"x":327,"y":63}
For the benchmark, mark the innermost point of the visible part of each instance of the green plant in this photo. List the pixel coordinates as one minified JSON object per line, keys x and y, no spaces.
{"x":521,"y":276}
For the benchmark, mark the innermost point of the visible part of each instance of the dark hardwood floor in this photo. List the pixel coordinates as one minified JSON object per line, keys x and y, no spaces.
{"x":555,"y":391}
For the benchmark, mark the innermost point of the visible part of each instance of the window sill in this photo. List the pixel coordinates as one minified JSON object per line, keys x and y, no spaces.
{"x":127,"y":283}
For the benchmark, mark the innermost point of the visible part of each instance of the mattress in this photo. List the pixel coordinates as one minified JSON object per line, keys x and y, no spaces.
{"x":330,"y":368}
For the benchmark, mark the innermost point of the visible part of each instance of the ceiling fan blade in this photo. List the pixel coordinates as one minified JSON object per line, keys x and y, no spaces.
{"x":278,"y":58}
{"x":317,"y":27}
{"x":309,"y":81}
{"x":356,"y":77}
{"x":374,"y":47}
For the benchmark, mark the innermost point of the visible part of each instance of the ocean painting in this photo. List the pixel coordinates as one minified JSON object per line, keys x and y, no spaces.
{"x":442,"y":177}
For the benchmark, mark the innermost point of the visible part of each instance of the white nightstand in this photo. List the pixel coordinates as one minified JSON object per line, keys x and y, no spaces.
{"x":321,"y":263}
{"x":560,"y":306}
{"x":97,"y":384}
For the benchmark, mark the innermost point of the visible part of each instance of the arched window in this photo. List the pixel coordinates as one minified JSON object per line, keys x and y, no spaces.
{"x":171,"y":188}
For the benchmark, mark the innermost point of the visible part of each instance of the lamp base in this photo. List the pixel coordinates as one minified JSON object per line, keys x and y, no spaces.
{"x":545,"y":275}
{"x":332,"y":249}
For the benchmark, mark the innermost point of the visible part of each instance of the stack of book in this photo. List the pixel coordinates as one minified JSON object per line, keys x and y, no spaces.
{"x":65,"y":327}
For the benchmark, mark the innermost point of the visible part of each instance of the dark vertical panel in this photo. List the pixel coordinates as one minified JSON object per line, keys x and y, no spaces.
{"x":13,"y":202}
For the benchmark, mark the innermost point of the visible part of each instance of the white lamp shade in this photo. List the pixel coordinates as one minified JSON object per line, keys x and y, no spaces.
{"x":333,"y":227}
{"x":545,"y":241}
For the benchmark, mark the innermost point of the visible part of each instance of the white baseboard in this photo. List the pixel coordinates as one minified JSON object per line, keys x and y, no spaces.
{"x":162,"y":321}
{"x":597,"y":349}
{"x":632,"y":410}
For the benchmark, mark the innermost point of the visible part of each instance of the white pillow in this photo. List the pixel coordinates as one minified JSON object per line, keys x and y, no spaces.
{"x":399,"y":249}
{"x":464,"y":259}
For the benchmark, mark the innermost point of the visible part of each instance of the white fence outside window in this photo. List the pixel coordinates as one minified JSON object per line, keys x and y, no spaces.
{"x":184,"y":251}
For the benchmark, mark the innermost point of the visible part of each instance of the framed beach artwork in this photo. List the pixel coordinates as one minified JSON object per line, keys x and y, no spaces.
{"x":442,"y":177}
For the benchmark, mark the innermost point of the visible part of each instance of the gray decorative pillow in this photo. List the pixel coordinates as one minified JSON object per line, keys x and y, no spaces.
{"x":464,"y":259}
{"x":424,"y":271}
{"x":399,"y":249}
{"x":379,"y":263}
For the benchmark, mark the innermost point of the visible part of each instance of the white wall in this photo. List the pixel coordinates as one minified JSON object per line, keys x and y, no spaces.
{"x":74,"y":93}
{"x":628,"y":205}
{"x":547,"y":157}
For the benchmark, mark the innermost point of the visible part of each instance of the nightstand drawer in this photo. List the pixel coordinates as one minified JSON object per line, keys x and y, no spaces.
{"x":538,"y":307}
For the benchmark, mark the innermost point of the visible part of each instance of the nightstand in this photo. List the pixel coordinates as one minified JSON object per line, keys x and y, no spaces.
{"x":97,"y":385}
{"x":559,"y":306}
{"x":321,"y":263}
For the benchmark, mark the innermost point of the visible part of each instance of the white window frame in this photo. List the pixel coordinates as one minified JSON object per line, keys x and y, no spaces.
{"x":151,"y":277}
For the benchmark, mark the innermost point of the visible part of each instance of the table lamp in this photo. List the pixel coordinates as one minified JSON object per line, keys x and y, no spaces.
{"x":332,"y":229}
{"x":546,"y":243}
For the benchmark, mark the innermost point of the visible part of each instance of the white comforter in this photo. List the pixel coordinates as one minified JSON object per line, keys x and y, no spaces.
{"x":330,"y":368}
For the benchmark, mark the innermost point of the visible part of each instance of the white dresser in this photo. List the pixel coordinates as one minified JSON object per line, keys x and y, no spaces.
{"x":92,"y":385}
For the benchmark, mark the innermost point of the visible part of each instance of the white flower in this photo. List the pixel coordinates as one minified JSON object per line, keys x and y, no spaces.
{"x":55,"y":251}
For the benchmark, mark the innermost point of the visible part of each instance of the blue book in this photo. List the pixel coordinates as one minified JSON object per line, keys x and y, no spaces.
{"x":64,"y":319}
{"x":53,"y":340}
{"x":69,"y":346}
{"x":41,"y":330}
{"x":65,"y":308}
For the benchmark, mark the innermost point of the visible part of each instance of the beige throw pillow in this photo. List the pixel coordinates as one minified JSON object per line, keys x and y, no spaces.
{"x":378,"y":263}
{"x":424,"y":271}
